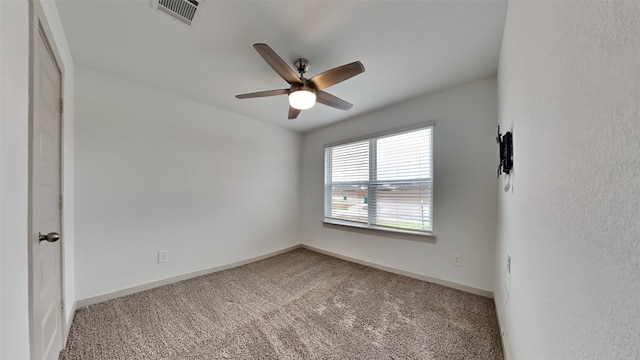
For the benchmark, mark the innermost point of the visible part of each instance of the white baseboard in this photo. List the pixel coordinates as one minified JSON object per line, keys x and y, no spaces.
{"x":465,"y":288}
{"x":154,"y":284}
{"x":65,"y":335}
{"x":503,"y":342}
{"x":142,"y":287}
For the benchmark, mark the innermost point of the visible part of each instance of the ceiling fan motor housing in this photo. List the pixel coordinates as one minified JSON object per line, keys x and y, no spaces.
{"x":306,"y":86}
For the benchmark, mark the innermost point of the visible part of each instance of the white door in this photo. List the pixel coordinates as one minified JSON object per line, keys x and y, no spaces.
{"x":46,"y":280}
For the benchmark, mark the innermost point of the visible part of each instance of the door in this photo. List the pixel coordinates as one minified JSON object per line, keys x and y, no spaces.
{"x":46,"y":279}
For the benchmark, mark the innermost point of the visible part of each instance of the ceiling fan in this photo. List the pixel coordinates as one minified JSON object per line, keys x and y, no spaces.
{"x":303,"y":92}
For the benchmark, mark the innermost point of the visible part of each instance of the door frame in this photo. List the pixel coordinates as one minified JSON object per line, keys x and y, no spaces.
{"x":38,"y":24}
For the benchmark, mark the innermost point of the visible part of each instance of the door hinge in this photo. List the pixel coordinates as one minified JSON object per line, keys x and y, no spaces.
{"x":61,"y":106}
{"x":62,"y":304}
{"x":60,"y":201}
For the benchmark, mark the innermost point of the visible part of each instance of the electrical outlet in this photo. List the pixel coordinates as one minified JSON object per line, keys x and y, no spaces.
{"x":163,"y":256}
{"x":509,"y":264}
{"x":457,"y":259}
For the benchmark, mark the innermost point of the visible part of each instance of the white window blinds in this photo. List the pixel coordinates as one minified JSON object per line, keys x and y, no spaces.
{"x":382,"y":182}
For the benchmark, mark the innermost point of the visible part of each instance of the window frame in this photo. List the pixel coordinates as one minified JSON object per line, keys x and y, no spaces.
{"x":372,"y":162}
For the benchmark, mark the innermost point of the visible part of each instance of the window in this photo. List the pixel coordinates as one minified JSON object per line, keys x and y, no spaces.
{"x":383,"y":182}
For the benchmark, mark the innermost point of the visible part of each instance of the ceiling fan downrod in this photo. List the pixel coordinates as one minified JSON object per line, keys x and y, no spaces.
{"x":302,"y":65}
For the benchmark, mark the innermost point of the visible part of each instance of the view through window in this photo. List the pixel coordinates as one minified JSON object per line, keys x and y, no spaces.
{"x":382,"y":182}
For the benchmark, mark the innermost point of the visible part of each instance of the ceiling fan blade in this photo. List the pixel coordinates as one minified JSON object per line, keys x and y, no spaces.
{"x":293,"y":113}
{"x":337,"y":75}
{"x":333,"y":101}
{"x":263,"y":94}
{"x":277,"y":63}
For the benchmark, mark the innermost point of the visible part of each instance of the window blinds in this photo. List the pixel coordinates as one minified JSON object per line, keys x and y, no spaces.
{"x":385,"y":181}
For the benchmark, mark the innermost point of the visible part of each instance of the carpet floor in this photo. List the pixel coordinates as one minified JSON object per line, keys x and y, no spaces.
{"x":298,"y":305}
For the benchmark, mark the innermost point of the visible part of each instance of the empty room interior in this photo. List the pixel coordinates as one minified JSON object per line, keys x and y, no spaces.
{"x":202,"y":179}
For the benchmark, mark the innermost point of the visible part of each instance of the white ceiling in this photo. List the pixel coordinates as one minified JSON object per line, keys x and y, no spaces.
{"x":408,"y":48}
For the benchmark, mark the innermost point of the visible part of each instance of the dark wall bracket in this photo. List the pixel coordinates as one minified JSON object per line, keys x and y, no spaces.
{"x":505,"y":143}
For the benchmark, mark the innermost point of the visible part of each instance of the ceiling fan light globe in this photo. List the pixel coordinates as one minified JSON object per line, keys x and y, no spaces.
{"x":302,"y":99}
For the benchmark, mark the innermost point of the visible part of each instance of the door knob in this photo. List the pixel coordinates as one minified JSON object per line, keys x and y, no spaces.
{"x":50,"y":237}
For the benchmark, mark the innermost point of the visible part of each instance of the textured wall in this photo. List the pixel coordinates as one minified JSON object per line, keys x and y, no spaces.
{"x":569,"y":87}
{"x":465,"y":160}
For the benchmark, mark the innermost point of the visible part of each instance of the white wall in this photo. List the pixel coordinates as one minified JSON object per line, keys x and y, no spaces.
{"x":14,"y":121}
{"x":464,"y":188}
{"x":14,"y":278}
{"x":569,"y":88}
{"x":158,"y":172}
{"x":1,"y":218}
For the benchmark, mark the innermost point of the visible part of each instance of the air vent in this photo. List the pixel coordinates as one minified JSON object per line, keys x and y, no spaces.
{"x":181,"y":10}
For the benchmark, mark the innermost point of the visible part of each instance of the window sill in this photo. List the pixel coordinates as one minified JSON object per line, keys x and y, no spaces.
{"x":426,"y":234}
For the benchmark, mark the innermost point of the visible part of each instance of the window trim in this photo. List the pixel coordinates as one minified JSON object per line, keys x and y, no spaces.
{"x":332,"y":221}
{"x":394,"y":131}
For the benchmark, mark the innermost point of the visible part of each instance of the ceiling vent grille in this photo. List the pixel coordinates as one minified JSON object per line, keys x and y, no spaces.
{"x":182,"y":10}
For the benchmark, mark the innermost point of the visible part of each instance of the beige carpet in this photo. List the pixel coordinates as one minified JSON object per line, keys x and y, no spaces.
{"x":298,"y":305}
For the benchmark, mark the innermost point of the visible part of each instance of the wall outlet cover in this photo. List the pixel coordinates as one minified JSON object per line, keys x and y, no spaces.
{"x":163,"y":256}
{"x":457,"y":259}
